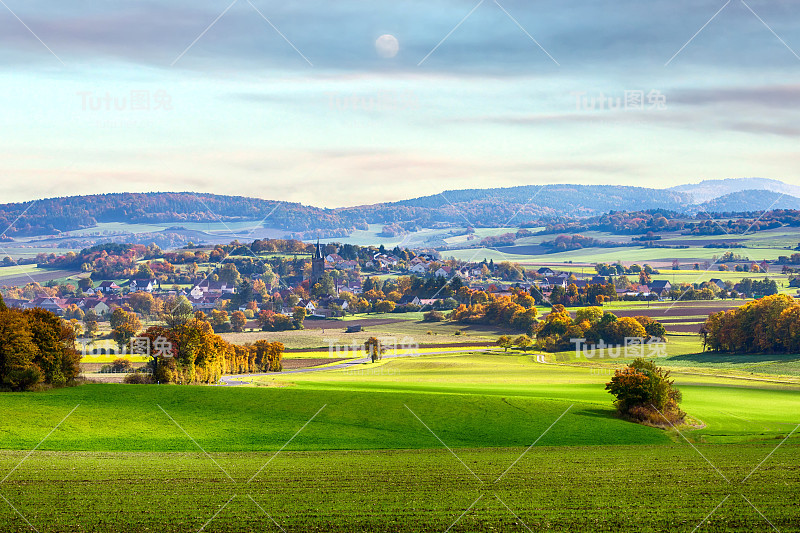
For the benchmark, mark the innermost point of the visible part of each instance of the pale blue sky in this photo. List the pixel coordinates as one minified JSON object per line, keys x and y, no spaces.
{"x":249,"y":115}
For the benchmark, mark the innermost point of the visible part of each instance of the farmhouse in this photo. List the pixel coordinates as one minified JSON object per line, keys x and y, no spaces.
{"x":660,"y":287}
{"x":718,"y":282}
{"x":108,"y":287}
{"x":409,"y":300}
{"x":54,"y":305}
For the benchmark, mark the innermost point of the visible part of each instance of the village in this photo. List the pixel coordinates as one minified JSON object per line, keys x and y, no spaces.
{"x":331,"y":286}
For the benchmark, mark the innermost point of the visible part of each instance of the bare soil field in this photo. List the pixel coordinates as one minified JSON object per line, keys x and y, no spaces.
{"x":39,"y":277}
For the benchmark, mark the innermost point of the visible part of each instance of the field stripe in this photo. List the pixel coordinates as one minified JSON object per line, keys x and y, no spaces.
{"x":534,"y":443}
{"x":40,"y":443}
{"x":770,"y":454}
{"x":287,"y":443}
{"x":445,"y":445}
{"x":196,"y":444}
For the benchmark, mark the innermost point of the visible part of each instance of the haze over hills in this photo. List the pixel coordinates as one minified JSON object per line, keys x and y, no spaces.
{"x":494,"y":207}
{"x":751,"y":200}
{"x":708,"y":190}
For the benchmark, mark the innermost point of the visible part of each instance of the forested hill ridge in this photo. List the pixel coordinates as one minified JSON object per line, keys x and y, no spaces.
{"x":55,"y":215}
{"x":516,"y":206}
{"x":708,"y":190}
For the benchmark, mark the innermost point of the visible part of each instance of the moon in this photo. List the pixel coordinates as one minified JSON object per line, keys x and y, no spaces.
{"x":387,"y":46}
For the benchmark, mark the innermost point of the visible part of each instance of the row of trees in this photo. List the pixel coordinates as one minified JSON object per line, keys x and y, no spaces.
{"x":768,"y":325}
{"x":192,"y":353}
{"x":557,"y":329}
{"x":35,"y":347}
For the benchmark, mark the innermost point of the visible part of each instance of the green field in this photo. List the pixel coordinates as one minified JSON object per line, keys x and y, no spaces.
{"x":405,"y":444}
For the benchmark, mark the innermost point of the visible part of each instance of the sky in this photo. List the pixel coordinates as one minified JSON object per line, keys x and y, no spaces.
{"x":293,"y":100}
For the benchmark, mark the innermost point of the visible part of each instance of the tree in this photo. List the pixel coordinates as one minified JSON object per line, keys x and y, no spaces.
{"x":269,"y":355}
{"x":124,"y":326}
{"x":384,"y":306}
{"x":229,"y":274}
{"x":144,"y":271}
{"x":177,"y":311}
{"x":90,"y":325}
{"x":374,"y":348}
{"x":35,"y":346}
{"x":299,"y":315}
{"x":645,"y":393}
{"x":238,"y":321}
{"x":591,"y":314}
{"x":523,"y":342}
{"x":143,"y":303}
{"x":504,"y":342}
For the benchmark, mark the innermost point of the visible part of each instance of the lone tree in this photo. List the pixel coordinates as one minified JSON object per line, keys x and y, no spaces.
{"x":523,"y":342}
{"x":505,"y":342}
{"x":645,"y":394}
{"x":374,"y":348}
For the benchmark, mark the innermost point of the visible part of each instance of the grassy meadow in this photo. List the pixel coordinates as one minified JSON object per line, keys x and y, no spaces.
{"x":420,"y":443}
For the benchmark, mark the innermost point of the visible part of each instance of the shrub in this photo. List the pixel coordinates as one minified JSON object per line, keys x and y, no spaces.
{"x":23,"y":379}
{"x":138,"y":378}
{"x":644,"y":393}
{"x":121,"y":365}
{"x":433,"y":316}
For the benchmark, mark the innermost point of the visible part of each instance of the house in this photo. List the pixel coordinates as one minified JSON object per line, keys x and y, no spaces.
{"x":419,"y":268}
{"x":546,"y":272}
{"x":327,"y":302}
{"x":427,"y":302}
{"x":99,"y":307}
{"x":599,"y":280}
{"x":347,"y":265}
{"x":660,"y":287}
{"x":443,"y":272}
{"x":308,"y":305}
{"x":579,"y":283}
{"x":144,"y":285}
{"x":108,"y":287}
{"x":636,"y":290}
{"x":409,"y":300}
{"x":16,"y":303}
{"x":204,"y":303}
{"x":552,"y":282}
{"x":718,"y":282}
{"x":334,"y":258}
{"x":54,"y":305}
{"x":215,"y":287}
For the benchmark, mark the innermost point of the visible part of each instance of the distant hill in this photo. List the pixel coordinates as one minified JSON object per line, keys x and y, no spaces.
{"x":55,"y":215}
{"x":496,"y":207}
{"x":751,"y":201}
{"x":707,"y":190}
{"x":516,"y":205}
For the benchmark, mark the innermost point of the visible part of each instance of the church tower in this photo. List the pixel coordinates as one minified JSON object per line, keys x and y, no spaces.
{"x":317,"y":264}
